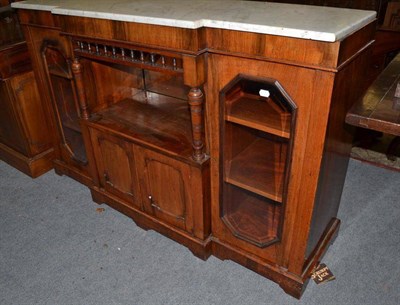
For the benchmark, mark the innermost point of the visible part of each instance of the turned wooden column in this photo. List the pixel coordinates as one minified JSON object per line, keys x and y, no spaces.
{"x":196,"y":99}
{"x":77,"y":71}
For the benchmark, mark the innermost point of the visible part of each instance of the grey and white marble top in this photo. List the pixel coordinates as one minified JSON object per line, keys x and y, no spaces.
{"x":291,"y":20}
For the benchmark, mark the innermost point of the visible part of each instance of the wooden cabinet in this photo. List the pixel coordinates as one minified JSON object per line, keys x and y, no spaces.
{"x":24,"y":139}
{"x":230,"y":142}
{"x":172,"y":193}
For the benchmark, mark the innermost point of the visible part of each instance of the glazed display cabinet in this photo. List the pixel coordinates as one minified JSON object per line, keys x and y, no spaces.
{"x":258,"y":120}
{"x":222,"y":132}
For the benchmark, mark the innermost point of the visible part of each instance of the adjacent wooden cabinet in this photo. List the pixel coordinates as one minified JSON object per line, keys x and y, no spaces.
{"x":24,"y":134}
{"x":231,"y":143}
{"x":24,"y":140}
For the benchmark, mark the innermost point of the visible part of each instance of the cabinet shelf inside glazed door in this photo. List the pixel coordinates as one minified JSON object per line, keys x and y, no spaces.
{"x":260,"y":113}
{"x":253,"y":183}
{"x":257,"y":164}
{"x":251,"y":217}
{"x":259,"y":105}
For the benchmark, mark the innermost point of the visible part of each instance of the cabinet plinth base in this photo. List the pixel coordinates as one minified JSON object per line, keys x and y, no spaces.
{"x":200,"y":248}
{"x":291,"y":283}
{"x":33,"y":167}
{"x":62,"y":169}
{"x":327,"y":238}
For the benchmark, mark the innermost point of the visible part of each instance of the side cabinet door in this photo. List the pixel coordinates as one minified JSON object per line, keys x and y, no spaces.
{"x":64,"y":99}
{"x":115,"y":166}
{"x":30,"y":113}
{"x":165,"y":186}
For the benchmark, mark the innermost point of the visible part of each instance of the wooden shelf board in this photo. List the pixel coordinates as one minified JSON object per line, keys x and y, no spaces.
{"x":71,"y":125}
{"x":256,"y":190}
{"x":59,"y":72}
{"x":75,"y":142}
{"x":156,"y":120}
{"x":254,"y":221}
{"x":255,"y":169}
{"x":259,"y":113}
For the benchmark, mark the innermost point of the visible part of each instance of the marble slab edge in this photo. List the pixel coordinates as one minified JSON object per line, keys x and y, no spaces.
{"x":324,"y":36}
{"x":29,"y":6}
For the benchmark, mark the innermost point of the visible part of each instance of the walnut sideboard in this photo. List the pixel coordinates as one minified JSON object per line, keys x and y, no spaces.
{"x":219,"y":124}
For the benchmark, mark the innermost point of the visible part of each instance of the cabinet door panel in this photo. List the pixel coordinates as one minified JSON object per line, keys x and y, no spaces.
{"x":10,"y":131}
{"x":115,"y":166}
{"x":30,"y":111}
{"x":165,"y":184}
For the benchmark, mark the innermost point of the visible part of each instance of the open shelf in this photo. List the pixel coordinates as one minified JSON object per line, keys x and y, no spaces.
{"x":166,"y":84}
{"x":251,"y":217}
{"x":156,"y":120}
{"x":259,"y":168}
{"x":259,"y":113}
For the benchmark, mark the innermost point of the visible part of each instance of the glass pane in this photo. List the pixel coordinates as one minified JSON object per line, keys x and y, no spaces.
{"x":258,"y":123}
{"x":64,"y":99}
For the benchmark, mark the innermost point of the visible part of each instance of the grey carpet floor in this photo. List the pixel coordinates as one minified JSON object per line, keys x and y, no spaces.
{"x":56,"y":248}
